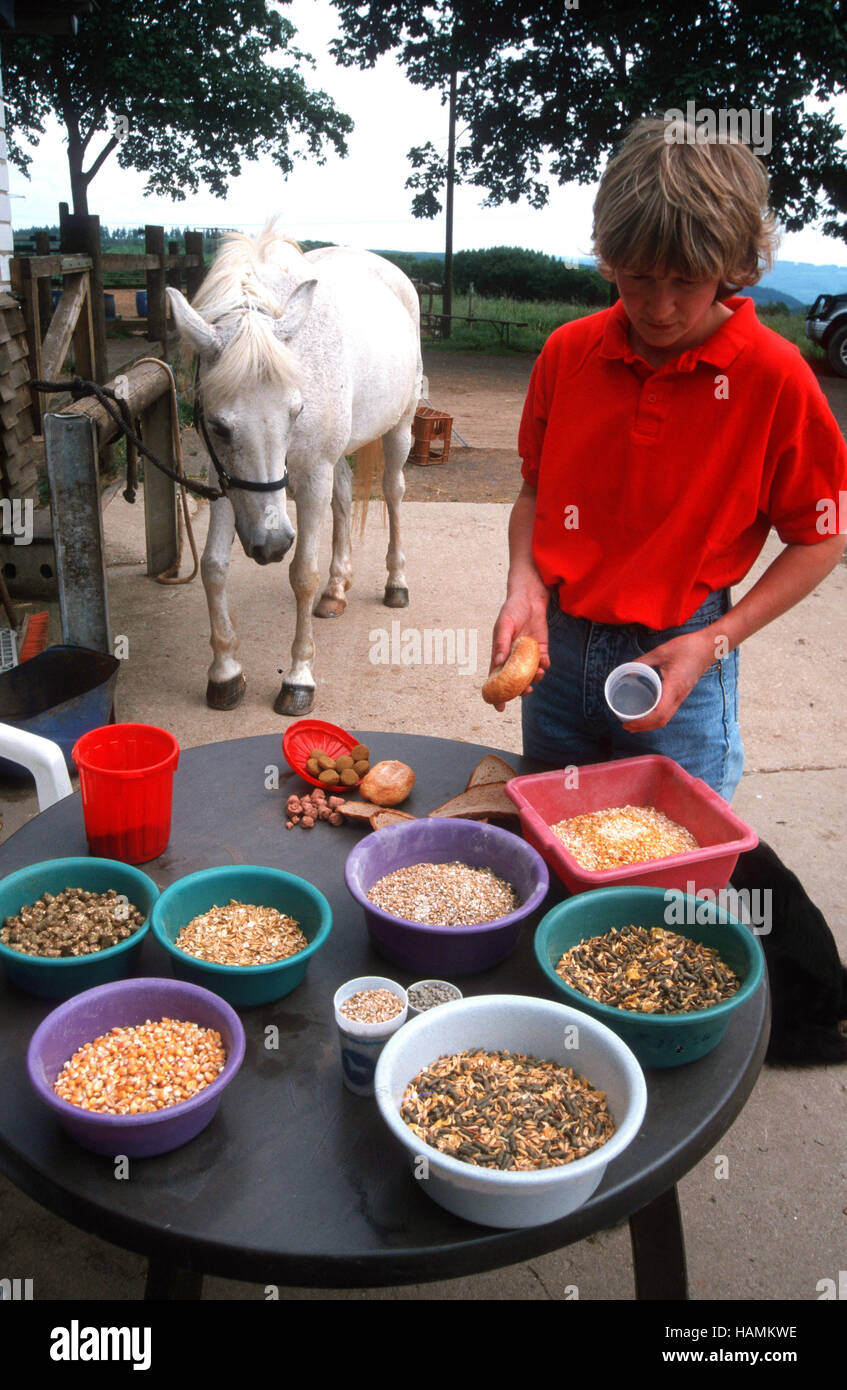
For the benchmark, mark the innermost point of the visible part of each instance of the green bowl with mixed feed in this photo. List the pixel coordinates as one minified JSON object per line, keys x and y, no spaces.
{"x":243,"y":986}
{"x":657,"y":1039}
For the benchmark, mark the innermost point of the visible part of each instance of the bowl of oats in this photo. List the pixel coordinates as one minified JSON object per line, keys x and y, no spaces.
{"x":509,"y":1108}
{"x":243,"y":930}
{"x":635,"y":821}
{"x":665,"y":970}
{"x":444,"y":897}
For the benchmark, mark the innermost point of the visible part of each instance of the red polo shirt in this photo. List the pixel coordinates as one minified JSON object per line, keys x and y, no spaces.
{"x":657,"y":486}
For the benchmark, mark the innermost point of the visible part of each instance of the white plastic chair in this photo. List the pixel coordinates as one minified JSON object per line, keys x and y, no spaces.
{"x":43,"y":758}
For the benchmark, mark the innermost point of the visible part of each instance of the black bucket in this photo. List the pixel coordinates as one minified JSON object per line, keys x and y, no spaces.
{"x":60,"y":694}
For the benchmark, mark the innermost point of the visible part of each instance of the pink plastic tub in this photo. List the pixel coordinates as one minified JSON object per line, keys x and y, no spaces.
{"x":545,"y":798}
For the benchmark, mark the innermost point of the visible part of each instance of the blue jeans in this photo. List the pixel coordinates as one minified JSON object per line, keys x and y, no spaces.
{"x":566,"y":719}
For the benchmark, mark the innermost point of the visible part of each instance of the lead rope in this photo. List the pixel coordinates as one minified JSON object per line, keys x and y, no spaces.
{"x":135,"y":445}
{"x":169,"y":576}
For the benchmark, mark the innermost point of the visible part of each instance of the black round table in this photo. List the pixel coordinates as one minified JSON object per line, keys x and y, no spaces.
{"x":296,"y":1181}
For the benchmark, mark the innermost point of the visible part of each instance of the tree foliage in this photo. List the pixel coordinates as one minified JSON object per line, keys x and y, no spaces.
{"x":561,"y":80}
{"x":510,"y":272}
{"x":182,"y":92}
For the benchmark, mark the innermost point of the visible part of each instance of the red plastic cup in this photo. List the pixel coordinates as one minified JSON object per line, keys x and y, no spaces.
{"x":126,"y":774}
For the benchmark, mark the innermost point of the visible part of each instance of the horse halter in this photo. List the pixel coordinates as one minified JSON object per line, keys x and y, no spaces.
{"x":226,"y":479}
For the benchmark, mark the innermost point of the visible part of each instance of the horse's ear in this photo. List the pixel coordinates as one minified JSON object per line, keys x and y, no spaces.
{"x":203,"y":337}
{"x":296,"y":309}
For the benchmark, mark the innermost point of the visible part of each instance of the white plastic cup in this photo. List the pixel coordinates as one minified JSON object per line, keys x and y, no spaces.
{"x":413,"y":1012}
{"x":361,"y":1043}
{"x":633,"y":690}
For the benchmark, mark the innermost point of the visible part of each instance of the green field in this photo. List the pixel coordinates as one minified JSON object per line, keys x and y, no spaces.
{"x":542,"y":318}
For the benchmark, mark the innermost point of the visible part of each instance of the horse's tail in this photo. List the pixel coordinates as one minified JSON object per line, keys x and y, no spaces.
{"x":367,"y":476}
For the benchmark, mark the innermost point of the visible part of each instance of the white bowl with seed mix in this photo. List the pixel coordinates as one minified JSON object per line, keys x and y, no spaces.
{"x":539,"y":1029}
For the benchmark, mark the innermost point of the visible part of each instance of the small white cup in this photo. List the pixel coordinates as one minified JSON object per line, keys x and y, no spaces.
{"x":633,"y":690}
{"x":361,"y":1043}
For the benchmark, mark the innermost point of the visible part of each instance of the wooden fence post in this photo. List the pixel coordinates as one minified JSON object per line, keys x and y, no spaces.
{"x":45,"y":287}
{"x":81,"y":235}
{"x":157,"y":311}
{"x":173,"y":276}
{"x":194,"y":274}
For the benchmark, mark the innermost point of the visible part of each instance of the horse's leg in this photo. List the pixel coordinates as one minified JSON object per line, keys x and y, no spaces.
{"x":332,"y":602}
{"x":396,"y":445}
{"x":226,"y":684}
{"x":297,"y":693}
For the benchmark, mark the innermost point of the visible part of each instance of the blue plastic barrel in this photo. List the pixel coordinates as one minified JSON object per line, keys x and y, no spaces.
{"x":109,"y":306}
{"x":141,"y":303}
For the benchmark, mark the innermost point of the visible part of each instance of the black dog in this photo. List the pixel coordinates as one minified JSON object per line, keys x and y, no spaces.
{"x":808,"y":981}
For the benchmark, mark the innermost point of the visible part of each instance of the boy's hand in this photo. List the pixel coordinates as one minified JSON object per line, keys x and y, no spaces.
{"x":523,"y":614}
{"x":680,"y":663}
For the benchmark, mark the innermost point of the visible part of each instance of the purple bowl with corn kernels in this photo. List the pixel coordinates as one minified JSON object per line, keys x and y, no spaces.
{"x":436,"y":951}
{"x":126,"y":1004}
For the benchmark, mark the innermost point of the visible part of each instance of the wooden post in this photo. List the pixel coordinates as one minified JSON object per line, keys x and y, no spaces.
{"x":173,"y":276}
{"x":157,"y":312}
{"x":194,"y":274}
{"x":160,"y":519}
{"x":45,"y":284}
{"x":81,"y":234}
{"x":470,"y":303}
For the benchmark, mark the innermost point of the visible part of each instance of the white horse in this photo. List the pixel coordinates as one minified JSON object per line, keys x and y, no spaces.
{"x":303,"y":360}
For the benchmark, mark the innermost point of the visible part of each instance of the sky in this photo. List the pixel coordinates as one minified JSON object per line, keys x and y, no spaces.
{"x":357,"y":201}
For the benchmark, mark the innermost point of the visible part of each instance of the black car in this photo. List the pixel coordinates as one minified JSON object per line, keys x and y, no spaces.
{"x":826,"y":324}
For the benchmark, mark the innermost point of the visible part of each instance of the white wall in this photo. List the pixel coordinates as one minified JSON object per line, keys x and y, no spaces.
{"x":6,"y":242}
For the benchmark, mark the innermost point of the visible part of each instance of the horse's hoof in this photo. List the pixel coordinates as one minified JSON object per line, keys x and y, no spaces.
{"x":294,"y":699}
{"x":396,"y":597}
{"x":226,"y":694}
{"x":328,"y":607}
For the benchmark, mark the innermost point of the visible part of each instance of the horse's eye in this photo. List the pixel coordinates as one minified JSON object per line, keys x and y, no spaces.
{"x":221,"y":430}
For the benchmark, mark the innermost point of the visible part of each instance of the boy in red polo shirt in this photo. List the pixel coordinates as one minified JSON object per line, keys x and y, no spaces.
{"x":661,"y":439}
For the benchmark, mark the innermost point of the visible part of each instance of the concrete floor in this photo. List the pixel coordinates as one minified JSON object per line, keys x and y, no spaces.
{"x":774,"y":1226}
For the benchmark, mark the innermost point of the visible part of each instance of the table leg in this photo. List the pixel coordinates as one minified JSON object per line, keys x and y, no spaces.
{"x":658,"y":1249}
{"x":166,"y":1282}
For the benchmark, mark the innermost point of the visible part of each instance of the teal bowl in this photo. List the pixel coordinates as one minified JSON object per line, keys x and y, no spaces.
{"x":658,"y":1040}
{"x":242,"y":985}
{"x":68,"y":975}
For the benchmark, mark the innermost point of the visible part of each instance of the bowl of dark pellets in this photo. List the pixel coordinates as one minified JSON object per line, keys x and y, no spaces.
{"x":669,"y":954}
{"x":68,"y":925}
{"x":509,"y":1108}
{"x":488,"y":882}
{"x":428,"y":994}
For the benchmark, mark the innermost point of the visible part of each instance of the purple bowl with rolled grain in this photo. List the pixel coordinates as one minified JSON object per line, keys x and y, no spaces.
{"x":437,"y":951}
{"x":126,"y":1004}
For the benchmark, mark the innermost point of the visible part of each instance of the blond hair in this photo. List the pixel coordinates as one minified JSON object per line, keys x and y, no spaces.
{"x":679,"y":203}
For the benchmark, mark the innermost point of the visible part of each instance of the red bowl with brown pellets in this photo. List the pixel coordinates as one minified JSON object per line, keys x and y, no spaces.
{"x":544,"y":799}
{"x":302,"y":737}
{"x":128,"y":1004}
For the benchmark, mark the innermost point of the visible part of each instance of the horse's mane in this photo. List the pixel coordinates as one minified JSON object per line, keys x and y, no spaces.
{"x":244,"y":272}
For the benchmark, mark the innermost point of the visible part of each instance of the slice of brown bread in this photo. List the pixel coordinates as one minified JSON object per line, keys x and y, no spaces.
{"x":487,"y":800}
{"x":390,"y":816}
{"x":490,"y":769}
